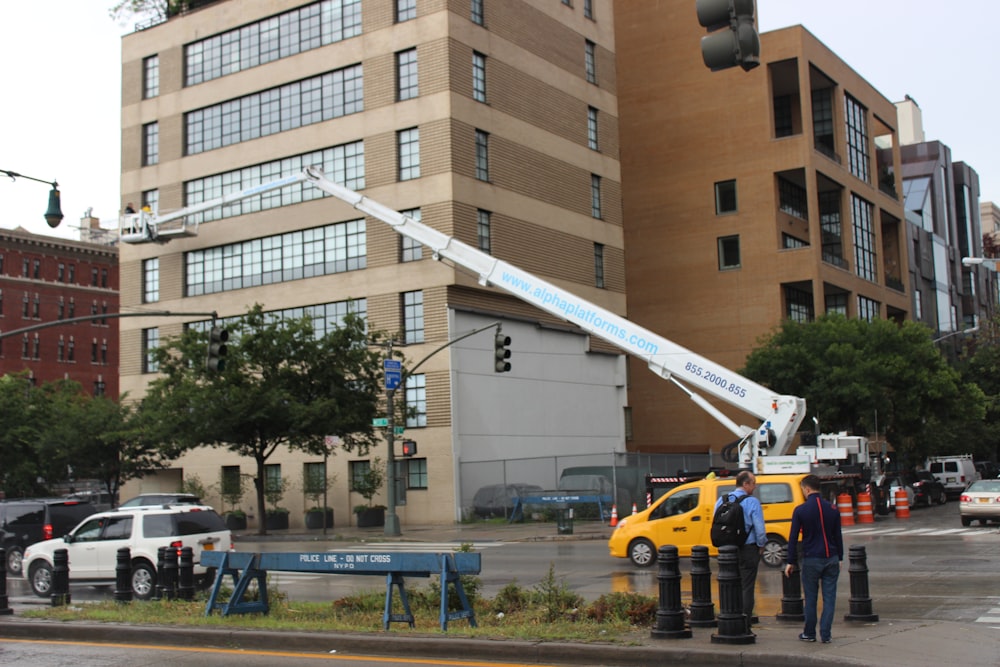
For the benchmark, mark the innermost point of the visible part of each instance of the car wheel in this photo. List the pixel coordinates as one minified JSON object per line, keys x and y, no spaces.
{"x":41,"y":579}
{"x":642,"y":552}
{"x":966,"y":521}
{"x":881,"y":501}
{"x":143,"y":580}
{"x":943,"y":498}
{"x":774,"y":552}
{"x":14,"y":557}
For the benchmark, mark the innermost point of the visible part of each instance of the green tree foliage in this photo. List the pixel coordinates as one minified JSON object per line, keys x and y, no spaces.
{"x":853,"y":373}
{"x":282,"y":385}
{"x":980,"y":364}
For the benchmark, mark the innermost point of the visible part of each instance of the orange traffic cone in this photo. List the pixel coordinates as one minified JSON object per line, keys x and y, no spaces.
{"x":614,"y":516}
{"x":634,"y":510}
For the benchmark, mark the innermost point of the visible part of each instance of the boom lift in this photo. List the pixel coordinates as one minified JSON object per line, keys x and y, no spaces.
{"x":779,"y":415}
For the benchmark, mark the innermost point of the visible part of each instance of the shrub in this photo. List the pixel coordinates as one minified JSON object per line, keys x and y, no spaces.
{"x":633,"y":608}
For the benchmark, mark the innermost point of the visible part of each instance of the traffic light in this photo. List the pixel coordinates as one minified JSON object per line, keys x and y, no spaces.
{"x":739,"y":44}
{"x":501,"y":353}
{"x":409,"y":447}
{"x":216,"y":360}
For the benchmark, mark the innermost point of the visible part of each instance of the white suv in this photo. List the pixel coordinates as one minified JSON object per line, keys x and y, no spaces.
{"x":93,"y":545}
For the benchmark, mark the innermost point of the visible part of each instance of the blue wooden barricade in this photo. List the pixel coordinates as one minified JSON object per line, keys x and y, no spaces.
{"x":245,"y":568}
{"x":557,"y":497}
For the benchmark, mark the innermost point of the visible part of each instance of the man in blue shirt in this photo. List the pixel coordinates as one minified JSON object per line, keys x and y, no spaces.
{"x":753,"y":518}
{"x":822,"y":555}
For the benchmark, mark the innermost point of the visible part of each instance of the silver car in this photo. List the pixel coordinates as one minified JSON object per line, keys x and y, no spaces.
{"x":981,"y":501}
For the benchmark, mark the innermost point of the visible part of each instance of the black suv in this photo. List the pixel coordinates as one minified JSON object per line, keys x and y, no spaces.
{"x":30,"y":520}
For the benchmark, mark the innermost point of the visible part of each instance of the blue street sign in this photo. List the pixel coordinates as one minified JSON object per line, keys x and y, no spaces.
{"x":392,"y":365}
{"x":392,"y":379}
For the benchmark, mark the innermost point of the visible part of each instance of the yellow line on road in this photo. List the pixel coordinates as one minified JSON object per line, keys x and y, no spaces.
{"x":282,"y":654}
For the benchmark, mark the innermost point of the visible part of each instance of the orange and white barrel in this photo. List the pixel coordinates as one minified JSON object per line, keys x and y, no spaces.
{"x":902,"y":504}
{"x":865,"y":508}
{"x":846,"y":507}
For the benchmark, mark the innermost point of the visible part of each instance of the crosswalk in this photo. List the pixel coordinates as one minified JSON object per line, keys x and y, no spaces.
{"x":991,"y":617}
{"x":906,"y":531}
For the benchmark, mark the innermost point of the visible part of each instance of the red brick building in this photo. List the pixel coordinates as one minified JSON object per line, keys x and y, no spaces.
{"x":45,"y":279}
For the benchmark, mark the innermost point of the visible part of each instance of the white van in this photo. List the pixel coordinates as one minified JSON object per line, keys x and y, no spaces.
{"x":955,"y":472}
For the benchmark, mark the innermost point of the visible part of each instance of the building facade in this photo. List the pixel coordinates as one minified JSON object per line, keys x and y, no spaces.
{"x":496,"y":122}
{"x":749,"y":197}
{"x":47,"y":279}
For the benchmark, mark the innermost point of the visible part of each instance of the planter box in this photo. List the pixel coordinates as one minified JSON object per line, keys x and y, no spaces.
{"x":276,"y":521}
{"x":236,"y":522}
{"x":371,"y":517}
{"x":314,"y":520}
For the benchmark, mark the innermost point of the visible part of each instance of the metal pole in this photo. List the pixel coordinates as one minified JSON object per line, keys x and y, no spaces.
{"x":391,"y":528}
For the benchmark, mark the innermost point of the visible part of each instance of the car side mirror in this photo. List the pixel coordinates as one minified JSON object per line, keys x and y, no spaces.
{"x":68,"y":538}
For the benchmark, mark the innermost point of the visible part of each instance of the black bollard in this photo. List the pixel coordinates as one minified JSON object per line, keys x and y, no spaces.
{"x":59,"y":592}
{"x":732,"y":620}
{"x":861,"y":602}
{"x":169,"y":574}
{"x":185,"y":574}
{"x":5,"y":609}
{"x":702,"y":607}
{"x":670,"y":613}
{"x":792,"y":608}
{"x":158,"y":579}
{"x":123,"y":575}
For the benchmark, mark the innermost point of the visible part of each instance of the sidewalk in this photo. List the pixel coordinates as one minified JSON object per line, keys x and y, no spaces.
{"x":887,"y":643}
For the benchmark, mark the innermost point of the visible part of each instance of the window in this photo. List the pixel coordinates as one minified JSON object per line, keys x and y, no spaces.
{"x":588,"y":9}
{"x":482,"y":155}
{"x":590,"y":61}
{"x":150,"y":77}
{"x":416,"y":474}
{"x":406,"y":75}
{"x":483,"y":231}
{"x":72,"y":273}
{"x":592,"y":128}
{"x":25,"y":352}
{"x":864,"y":239}
{"x":476,"y":14}
{"x":104,"y":351}
{"x":273,"y":483}
{"x":61,"y":273}
{"x":830,"y":228}
{"x":822,"y":110}
{"x":358,"y":471}
{"x":36,"y":266}
{"x":478,"y":77}
{"x":416,"y":401}
{"x":798,"y":305}
{"x":150,"y":144}
{"x":868,"y":309}
{"x":857,"y":139}
{"x":413,"y":316}
{"x":71,"y":349}
{"x":36,"y":347}
{"x":94,"y":273}
{"x":25,"y":267}
{"x":104,"y":277}
{"x":230,"y":484}
{"x":837,"y":303}
{"x":725,"y":197}
{"x":25,"y":306}
{"x":729,"y":252}
{"x":410,"y":250}
{"x":93,"y":351}
{"x":314,"y":479}
{"x":151,"y":280}
{"x":599,"y":265}
{"x":784,"y":126}
{"x":150,"y":341}
{"x":409,"y":154}
{"x":72,"y":307}
{"x":406,"y":10}
{"x":1,"y":303}
{"x":36,"y":307}
{"x":595,"y":196}
{"x":99,"y":387}
{"x":792,"y":199}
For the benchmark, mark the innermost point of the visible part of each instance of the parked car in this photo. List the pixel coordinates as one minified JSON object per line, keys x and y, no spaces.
{"x":93,"y":545}
{"x":987,"y":470}
{"x":148,"y":499}
{"x":498,"y":499}
{"x":980,"y":501}
{"x":927,"y":489}
{"x":955,"y":472}
{"x":24,"y":522}
{"x":889,"y":486}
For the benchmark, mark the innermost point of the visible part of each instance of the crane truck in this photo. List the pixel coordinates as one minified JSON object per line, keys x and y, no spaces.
{"x":762,"y":448}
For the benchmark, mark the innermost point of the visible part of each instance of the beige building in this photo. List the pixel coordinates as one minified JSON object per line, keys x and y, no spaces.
{"x":749,"y":197}
{"x":496,"y":122}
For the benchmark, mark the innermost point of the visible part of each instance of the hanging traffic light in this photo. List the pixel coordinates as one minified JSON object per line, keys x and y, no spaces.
{"x":739,"y":44}
{"x":501,"y":353}
{"x":217,"y":350}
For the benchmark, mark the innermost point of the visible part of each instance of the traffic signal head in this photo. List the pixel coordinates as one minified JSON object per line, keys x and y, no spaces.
{"x":501,"y":353}
{"x":216,"y":360}
{"x":409,"y":447}
{"x":738,"y":44}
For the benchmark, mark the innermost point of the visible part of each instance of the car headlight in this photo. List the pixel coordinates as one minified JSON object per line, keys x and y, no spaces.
{"x":621,"y":524}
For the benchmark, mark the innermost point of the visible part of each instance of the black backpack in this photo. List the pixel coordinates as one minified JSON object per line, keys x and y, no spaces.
{"x":728,"y":527}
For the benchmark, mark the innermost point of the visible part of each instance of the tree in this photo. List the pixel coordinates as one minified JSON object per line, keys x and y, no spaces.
{"x":854,"y":373}
{"x":281,"y":385}
{"x":980,"y":364}
{"x":19,"y":427}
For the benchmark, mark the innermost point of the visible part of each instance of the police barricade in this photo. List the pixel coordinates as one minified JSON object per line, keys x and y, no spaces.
{"x":245,"y":568}
{"x":561,"y":498}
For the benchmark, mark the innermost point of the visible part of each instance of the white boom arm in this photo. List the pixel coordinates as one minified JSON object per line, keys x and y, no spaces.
{"x":780,"y":415}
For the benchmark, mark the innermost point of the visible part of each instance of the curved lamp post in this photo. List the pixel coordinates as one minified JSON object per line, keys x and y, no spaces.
{"x":54,"y":214}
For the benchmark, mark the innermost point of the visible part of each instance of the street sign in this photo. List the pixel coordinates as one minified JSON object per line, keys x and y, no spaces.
{"x":392,"y":379}
{"x":380,"y":421}
{"x":392,"y":365}
{"x":398,"y":430}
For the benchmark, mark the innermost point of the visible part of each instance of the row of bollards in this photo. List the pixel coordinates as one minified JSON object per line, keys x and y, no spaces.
{"x":731,"y":621}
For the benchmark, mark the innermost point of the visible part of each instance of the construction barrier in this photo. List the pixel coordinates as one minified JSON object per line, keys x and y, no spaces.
{"x":846,"y":507}
{"x":614,"y":515}
{"x":865,"y":514}
{"x":902,"y":504}
{"x":634,"y":510}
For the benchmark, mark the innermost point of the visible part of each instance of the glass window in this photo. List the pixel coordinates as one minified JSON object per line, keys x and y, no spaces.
{"x":822,"y":110}
{"x":868,"y":309}
{"x":483,"y":230}
{"x":151,"y":280}
{"x":71,"y":350}
{"x":478,"y":77}
{"x":798,"y":305}
{"x":314,"y":478}
{"x":413,"y":316}
{"x":358,"y":470}
{"x":150,"y":77}
{"x":830,"y":228}
{"x":864,"y":239}
{"x":590,"y":60}
{"x":150,"y":341}
{"x":476,"y":14}
{"x":150,"y":198}
{"x":725,"y":197}
{"x":409,"y":154}
{"x":416,"y":474}
{"x":406,"y":75}
{"x":406,"y":10}
{"x":482,"y":155}
{"x":729,"y":252}
{"x":857,"y":139}
{"x":150,"y":144}
{"x":599,"y":265}
{"x":592,"y":128}
{"x":792,"y":199}
{"x":595,"y":196}
{"x":588,"y":9}
{"x":410,"y":250}
{"x":416,"y":401}
{"x":272,"y":478}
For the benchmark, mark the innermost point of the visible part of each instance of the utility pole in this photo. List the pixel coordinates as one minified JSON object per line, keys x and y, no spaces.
{"x":391,"y":528}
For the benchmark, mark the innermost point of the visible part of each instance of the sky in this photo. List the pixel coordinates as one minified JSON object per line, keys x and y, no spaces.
{"x":60,"y":106}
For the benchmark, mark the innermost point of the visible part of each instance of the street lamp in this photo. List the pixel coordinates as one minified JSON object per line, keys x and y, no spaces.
{"x":54,"y":214}
{"x":973,"y":329}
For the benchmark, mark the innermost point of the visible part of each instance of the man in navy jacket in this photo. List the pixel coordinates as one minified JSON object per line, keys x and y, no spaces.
{"x":822,"y":555}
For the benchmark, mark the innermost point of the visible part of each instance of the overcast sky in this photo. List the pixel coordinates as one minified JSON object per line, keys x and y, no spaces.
{"x":60,"y":111}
